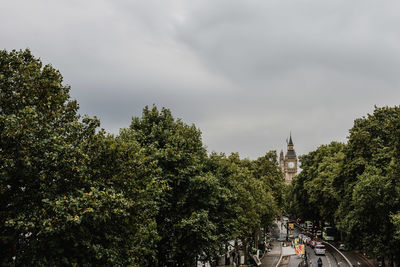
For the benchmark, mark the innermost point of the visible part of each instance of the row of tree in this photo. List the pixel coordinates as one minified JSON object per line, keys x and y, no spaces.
{"x":356,"y":186}
{"x":71,"y":194}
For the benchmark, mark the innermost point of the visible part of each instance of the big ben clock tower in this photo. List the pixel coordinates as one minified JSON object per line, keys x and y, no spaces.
{"x":288,"y":162}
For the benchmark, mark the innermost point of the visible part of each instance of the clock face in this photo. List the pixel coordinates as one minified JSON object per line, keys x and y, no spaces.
{"x":291,"y":164}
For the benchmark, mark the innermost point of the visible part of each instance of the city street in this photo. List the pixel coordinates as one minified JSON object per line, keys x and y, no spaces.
{"x":332,"y":257}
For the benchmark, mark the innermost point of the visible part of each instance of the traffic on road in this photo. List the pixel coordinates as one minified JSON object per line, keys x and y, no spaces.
{"x":321,"y":248}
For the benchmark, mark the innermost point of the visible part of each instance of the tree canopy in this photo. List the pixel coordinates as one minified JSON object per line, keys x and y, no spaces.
{"x":355,"y":186}
{"x":71,"y":194}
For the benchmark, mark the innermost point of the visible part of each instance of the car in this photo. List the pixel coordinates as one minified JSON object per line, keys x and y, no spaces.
{"x":319,"y":249}
{"x":312,"y":243}
{"x":343,"y":247}
{"x":319,"y":233}
{"x":309,"y":225}
{"x":307,"y":240}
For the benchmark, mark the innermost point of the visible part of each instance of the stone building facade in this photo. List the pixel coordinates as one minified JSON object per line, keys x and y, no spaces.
{"x":288,"y":162}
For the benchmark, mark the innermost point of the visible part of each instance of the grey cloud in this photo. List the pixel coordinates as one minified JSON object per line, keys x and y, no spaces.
{"x":245,"y":72}
{"x":277,"y":38}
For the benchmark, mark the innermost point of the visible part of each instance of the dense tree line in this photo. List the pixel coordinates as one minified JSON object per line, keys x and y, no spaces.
{"x":71,"y":194}
{"x":356,"y":186}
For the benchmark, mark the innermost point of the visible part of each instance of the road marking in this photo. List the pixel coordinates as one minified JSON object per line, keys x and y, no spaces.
{"x":329,"y":261}
{"x":348,"y":262}
{"x":280,"y":257}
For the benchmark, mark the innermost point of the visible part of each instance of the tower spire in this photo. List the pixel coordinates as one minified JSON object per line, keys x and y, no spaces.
{"x":289,"y":163}
{"x":290,"y":139}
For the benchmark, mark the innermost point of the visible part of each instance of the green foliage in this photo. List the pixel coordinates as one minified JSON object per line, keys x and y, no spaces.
{"x":368,"y":182}
{"x":267,"y":169}
{"x":207,"y":199}
{"x":62,"y":202}
{"x":367,"y":223}
{"x":178,"y":150}
{"x":245,"y":201}
{"x":72,"y":195}
{"x":311,"y":194}
{"x":356,"y":186}
{"x":39,"y":134}
{"x":396,"y":223}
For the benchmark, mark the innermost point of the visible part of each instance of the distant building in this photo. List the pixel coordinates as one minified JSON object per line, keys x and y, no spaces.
{"x":288,"y":162}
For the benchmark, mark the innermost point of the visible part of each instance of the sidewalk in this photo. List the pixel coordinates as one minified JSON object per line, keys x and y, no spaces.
{"x":279,"y":249}
{"x":288,"y":254}
{"x":271,"y":258}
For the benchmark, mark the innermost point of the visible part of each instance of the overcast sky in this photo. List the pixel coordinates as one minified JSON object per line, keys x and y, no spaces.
{"x":245,"y":72}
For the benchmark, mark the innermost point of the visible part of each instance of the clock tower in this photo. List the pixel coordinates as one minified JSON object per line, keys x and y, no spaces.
{"x":288,"y":162}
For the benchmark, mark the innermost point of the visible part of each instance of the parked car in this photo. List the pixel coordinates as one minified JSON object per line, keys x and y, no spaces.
{"x":319,"y":249}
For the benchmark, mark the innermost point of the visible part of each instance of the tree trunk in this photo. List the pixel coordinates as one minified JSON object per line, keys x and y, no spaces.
{"x":236,"y":258}
{"x":245,"y":251}
{"x":227,"y":261}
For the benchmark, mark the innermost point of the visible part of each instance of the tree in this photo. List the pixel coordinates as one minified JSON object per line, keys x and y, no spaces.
{"x":178,"y":150}
{"x":368,"y":223}
{"x":369,"y":180}
{"x":254,"y":204}
{"x":38,"y":156}
{"x":69,"y":195}
{"x":267,"y":169}
{"x":311,"y":194}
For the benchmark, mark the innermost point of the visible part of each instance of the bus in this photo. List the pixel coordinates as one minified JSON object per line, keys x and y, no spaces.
{"x":328,"y":233}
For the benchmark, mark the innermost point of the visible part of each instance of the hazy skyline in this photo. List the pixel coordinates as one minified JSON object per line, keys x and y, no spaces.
{"x":245,"y":72}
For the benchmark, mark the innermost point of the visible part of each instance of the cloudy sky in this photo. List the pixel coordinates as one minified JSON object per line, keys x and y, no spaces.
{"x":245,"y":72}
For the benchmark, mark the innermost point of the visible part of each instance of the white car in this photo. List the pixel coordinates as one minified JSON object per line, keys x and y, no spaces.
{"x":343,"y":247}
{"x":319,"y":249}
